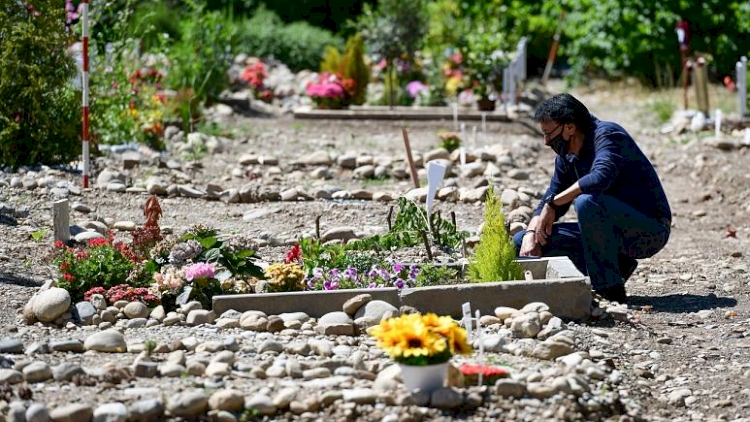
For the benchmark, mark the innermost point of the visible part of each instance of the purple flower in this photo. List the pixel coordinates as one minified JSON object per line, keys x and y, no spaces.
{"x":327,"y":285}
{"x":317,"y":272}
{"x":415,"y":88}
{"x":384,"y":274}
{"x":398,"y":268}
{"x":399,"y":283}
{"x":351,"y":272}
{"x":373,"y":272}
{"x":199,"y":270}
{"x":372,"y":285}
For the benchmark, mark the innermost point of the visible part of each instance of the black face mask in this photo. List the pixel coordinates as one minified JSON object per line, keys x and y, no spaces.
{"x":559,"y":145}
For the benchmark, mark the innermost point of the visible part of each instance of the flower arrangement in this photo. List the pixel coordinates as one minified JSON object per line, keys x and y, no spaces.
{"x":421,"y":339}
{"x":331,"y":91}
{"x":490,"y":374}
{"x":254,"y":76}
{"x":287,"y":277}
{"x":399,"y":276}
{"x":124,"y":292}
{"x":100,"y":262}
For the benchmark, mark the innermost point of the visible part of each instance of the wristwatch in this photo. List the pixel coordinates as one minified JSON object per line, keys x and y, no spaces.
{"x":550,"y":200}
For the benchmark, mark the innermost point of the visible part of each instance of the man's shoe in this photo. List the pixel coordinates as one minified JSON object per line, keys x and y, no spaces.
{"x":615,"y":293}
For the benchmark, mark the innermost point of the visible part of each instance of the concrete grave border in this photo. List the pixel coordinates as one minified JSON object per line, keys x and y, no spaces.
{"x":556,"y":282}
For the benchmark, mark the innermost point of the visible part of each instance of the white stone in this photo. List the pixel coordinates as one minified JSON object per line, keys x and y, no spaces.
{"x":50,"y":304}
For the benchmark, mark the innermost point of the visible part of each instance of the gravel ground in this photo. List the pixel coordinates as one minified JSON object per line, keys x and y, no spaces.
{"x":682,"y":350}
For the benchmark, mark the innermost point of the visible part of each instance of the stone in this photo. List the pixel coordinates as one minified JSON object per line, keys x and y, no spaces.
{"x":111,"y":412}
{"x":446,"y":398}
{"x":146,"y":410}
{"x":316,"y":373}
{"x":10,"y":376}
{"x":275,"y":324}
{"x":126,"y":226}
{"x":526,"y":325}
{"x":72,"y":413}
{"x":335,"y":318}
{"x":229,"y":400}
{"x":136,"y":309}
{"x":376,"y":309}
{"x":335,"y":329}
{"x":507,"y":387}
{"x":37,"y":372}
{"x":200,"y":316}
{"x":83,"y":312}
{"x":218,"y":369}
{"x":50,"y":304}
{"x":65,"y":371}
{"x":108,"y":176}
{"x":344,"y":234}
{"x":284,"y":397}
{"x":158,"y":313}
{"x":253,"y":321}
{"x":136,"y":323}
{"x":316,"y":158}
{"x":537,"y":307}
{"x":540,"y":390}
{"x":188,"y":404}
{"x":260,"y":403}
{"x":270,"y":346}
{"x":294,"y":316}
{"x":37,"y":412}
{"x":360,"y":396}
{"x":143,"y":369}
{"x":106,"y":341}
{"x":11,"y":345}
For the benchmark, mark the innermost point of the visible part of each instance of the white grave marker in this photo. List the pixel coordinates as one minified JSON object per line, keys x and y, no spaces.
{"x":466,"y":320}
{"x":717,"y":123}
{"x":435,"y":175}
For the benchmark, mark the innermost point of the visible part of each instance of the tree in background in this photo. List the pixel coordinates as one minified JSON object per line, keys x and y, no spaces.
{"x":39,"y":112}
{"x":395,"y":30}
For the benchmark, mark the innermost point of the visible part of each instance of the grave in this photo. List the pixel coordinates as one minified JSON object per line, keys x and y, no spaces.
{"x":556,"y":282}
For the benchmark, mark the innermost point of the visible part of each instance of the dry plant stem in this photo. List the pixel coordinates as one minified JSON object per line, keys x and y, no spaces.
{"x":426,"y":244}
{"x":453,"y":220}
{"x":410,"y":159}
{"x":317,"y":227}
{"x":390,"y":216}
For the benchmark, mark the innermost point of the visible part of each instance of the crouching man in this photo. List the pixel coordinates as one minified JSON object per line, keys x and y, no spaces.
{"x":623,"y":212}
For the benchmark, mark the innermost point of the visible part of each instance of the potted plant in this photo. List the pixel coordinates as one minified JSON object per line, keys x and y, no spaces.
{"x":422,"y":345}
{"x":484,"y":58}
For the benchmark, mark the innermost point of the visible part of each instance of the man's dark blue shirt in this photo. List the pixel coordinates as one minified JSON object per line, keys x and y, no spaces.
{"x":611,"y":163}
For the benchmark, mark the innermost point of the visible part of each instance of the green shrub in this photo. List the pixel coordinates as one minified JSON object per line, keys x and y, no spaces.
{"x":331,"y":60}
{"x":39,"y":112}
{"x":353,"y":66}
{"x":200,"y":58}
{"x":298,"y":45}
{"x":495,"y":254}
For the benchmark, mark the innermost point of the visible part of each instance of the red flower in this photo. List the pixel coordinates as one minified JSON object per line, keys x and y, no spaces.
{"x":59,"y":244}
{"x":490,"y":374}
{"x":64,"y":266}
{"x":294,"y":255}
{"x":99,"y":241}
{"x":68,"y":277}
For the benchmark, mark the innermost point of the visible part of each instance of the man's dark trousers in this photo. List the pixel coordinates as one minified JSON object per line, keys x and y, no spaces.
{"x":606,"y":240}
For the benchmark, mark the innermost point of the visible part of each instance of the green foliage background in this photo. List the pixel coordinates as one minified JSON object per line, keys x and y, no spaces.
{"x":39,"y":112}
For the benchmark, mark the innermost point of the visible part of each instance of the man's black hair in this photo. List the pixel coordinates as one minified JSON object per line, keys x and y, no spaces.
{"x":564,"y":108}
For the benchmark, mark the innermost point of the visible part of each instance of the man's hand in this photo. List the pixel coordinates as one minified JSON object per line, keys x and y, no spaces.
{"x":529,"y":246}
{"x":546,"y":218}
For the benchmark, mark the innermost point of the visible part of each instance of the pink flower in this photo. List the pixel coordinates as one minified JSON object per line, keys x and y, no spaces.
{"x":415,"y":88}
{"x":199,"y":270}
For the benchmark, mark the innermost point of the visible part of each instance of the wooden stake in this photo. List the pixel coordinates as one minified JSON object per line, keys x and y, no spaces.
{"x":317,"y":227}
{"x":61,"y":216}
{"x":453,"y":220}
{"x":426,"y":244}
{"x":409,"y":158}
{"x":390,"y":215}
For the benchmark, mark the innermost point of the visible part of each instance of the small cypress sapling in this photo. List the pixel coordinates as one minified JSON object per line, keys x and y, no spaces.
{"x":331,"y":60}
{"x":353,"y":66}
{"x":494,"y":258}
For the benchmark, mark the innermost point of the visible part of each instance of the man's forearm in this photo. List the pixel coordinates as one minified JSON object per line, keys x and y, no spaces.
{"x":567,"y":196}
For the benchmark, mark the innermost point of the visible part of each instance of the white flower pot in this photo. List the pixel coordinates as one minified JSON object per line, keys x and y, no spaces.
{"x":426,"y":378}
